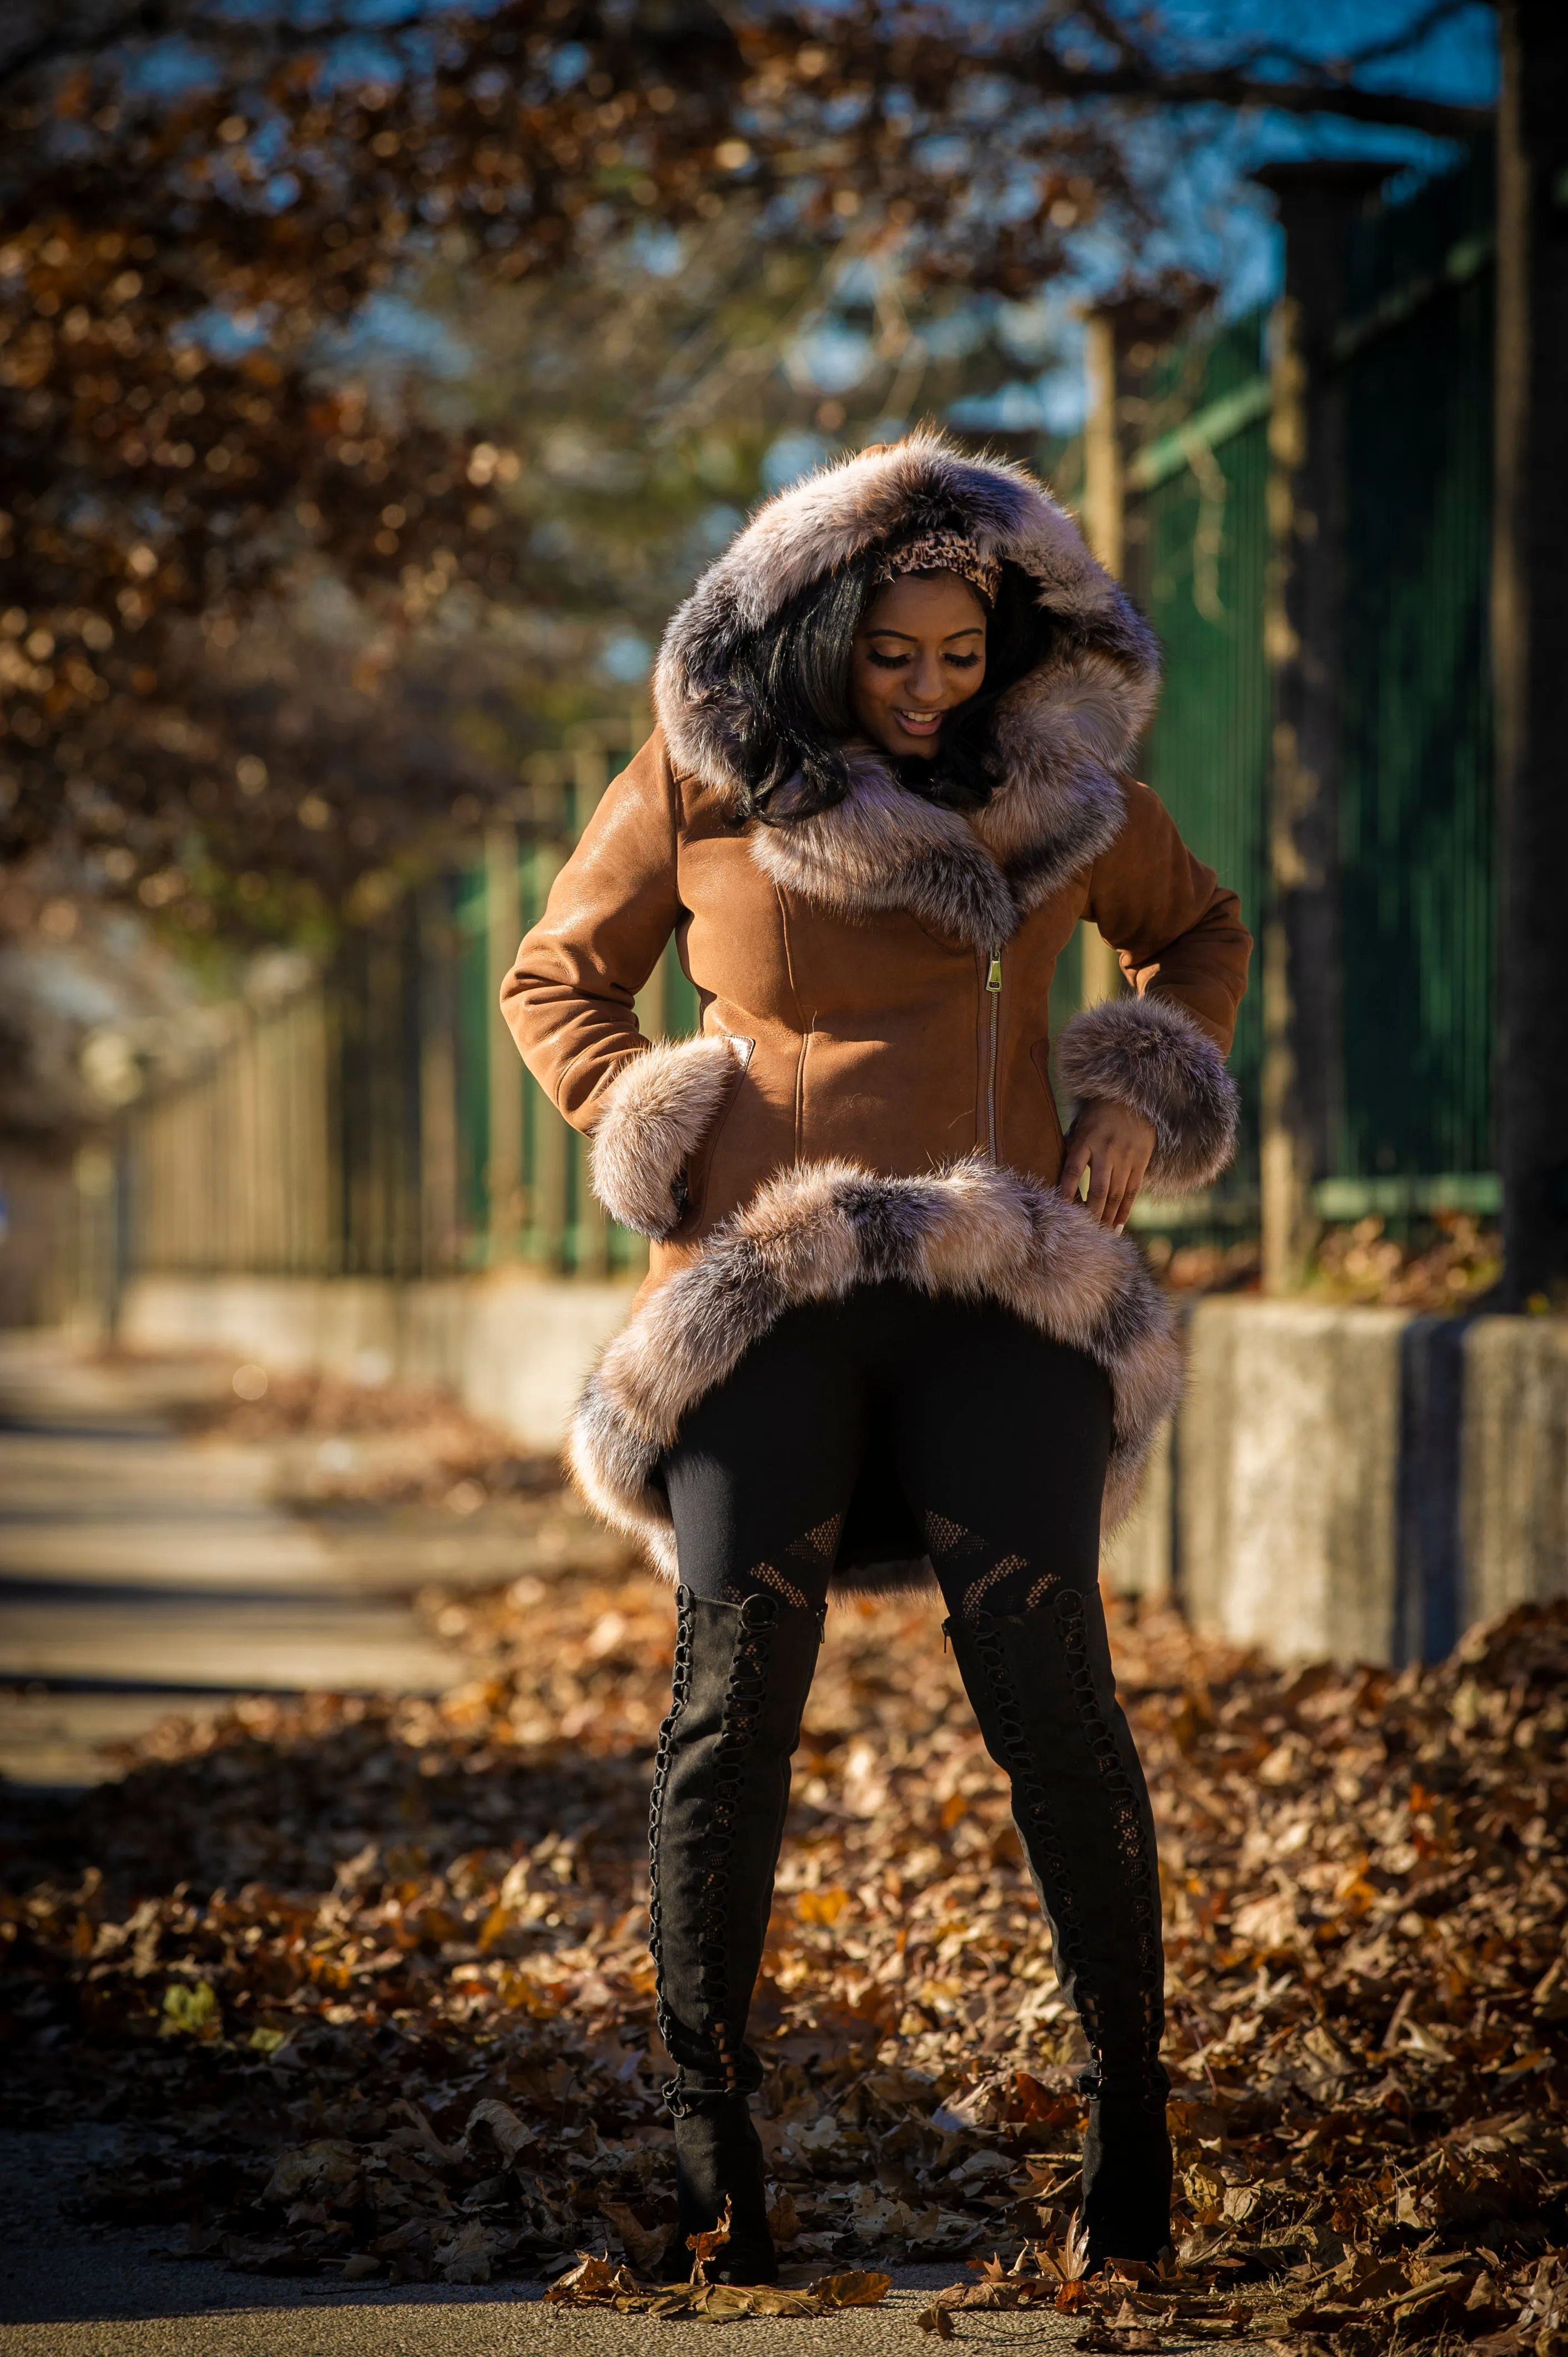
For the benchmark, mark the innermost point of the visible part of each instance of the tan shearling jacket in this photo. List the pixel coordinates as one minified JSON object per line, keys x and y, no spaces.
{"x":870,"y":1094}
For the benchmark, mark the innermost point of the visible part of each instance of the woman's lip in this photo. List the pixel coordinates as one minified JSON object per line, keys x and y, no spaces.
{"x":918,"y":724}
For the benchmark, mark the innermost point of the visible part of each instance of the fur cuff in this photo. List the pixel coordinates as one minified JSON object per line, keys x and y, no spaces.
{"x":656,"y":1113}
{"x":1153,"y":1056}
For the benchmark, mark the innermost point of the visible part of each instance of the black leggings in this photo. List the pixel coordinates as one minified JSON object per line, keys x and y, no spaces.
{"x":999,"y":1437}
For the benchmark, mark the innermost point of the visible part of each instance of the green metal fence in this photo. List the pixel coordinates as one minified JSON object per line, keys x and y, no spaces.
{"x":377,"y":1121}
{"x":1418,"y":899}
{"x":1419,"y":895}
{"x":1197,"y":551}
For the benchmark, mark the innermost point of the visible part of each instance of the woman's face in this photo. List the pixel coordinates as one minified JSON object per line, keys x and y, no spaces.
{"x":920,"y":652}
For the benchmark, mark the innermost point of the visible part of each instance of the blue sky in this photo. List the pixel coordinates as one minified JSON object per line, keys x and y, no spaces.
{"x":1214,"y":220}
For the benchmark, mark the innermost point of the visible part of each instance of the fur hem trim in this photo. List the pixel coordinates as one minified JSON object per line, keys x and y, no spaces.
{"x":815,"y":1232}
{"x":1066,"y":732}
{"x":1151,"y":1054}
{"x":656,"y":1113}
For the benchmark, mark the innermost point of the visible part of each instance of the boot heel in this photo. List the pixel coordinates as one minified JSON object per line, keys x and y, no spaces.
{"x":718,"y":2158}
{"x":1127,"y":2177}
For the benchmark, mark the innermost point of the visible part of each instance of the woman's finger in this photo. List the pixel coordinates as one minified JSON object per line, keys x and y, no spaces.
{"x":1075,"y":1162}
{"x":1102,"y":1177}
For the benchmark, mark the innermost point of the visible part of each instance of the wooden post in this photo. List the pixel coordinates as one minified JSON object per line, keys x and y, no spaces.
{"x":1303,"y":1077}
{"x":591,"y":775}
{"x":1530,"y":650}
{"x":503,"y":1169}
{"x":1104,"y":481}
{"x":438,"y":1083}
{"x":1104,"y":518}
{"x":1120,"y":342}
{"x":553,"y":1136}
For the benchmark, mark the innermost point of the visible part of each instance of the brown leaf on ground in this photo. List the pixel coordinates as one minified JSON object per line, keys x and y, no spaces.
{"x":858,"y":2289}
{"x":644,"y":2246}
{"x":708,"y":2242}
{"x":422,"y":1926}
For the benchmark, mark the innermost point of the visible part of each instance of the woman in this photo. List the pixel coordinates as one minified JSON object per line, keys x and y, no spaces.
{"x":880,"y":1336}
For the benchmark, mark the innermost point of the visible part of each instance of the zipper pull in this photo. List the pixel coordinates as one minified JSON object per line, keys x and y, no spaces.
{"x":993,"y":979}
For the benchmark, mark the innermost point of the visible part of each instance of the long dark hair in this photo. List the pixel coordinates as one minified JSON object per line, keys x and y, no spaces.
{"x":791,"y":683}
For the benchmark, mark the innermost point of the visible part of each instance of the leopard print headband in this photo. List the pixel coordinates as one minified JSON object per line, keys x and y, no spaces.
{"x":942,"y":552}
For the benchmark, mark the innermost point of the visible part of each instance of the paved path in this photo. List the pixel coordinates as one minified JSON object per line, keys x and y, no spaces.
{"x":141,"y":1571}
{"x":65,"y":2292}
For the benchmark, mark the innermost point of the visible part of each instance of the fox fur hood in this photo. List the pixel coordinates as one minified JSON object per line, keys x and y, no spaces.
{"x":1065,"y":731}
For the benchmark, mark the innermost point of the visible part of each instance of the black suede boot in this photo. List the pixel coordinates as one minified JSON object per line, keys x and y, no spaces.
{"x":1042,"y":1687}
{"x":720,"y":1790}
{"x":1127,"y":2175}
{"x":718,"y":2158}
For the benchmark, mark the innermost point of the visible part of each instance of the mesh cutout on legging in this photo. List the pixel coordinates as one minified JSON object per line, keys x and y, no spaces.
{"x":944,"y":1537}
{"x":978,"y":1589}
{"x":948,"y":1540}
{"x":816,"y":1548}
{"x":767,"y":1574}
{"x":820,"y":1545}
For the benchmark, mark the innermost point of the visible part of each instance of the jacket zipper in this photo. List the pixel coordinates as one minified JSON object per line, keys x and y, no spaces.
{"x":993,"y":990}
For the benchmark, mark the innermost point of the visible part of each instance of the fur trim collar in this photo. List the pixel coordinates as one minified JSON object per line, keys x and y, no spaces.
{"x":1067,"y":730}
{"x":815,"y":1232}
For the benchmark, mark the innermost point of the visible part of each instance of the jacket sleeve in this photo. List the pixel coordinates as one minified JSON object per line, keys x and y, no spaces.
{"x":1178,"y":935}
{"x":569,"y":998}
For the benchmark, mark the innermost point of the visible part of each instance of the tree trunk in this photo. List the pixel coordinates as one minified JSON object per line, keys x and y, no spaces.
{"x":1529,"y":638}
{"x":1303,"y":1077}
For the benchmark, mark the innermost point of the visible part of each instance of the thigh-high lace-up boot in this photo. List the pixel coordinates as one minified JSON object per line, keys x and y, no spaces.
{"x":1041,"y":1684}
{"x":721,"y":1789}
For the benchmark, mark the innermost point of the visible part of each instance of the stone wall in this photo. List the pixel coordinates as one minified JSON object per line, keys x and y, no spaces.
{"x":1357,"y":1483}
{"x":1354,"y":1483}
{"x":515,"y":1349}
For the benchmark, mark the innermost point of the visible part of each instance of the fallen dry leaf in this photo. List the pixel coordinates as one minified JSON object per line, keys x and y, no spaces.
{"x":415,"y":2032}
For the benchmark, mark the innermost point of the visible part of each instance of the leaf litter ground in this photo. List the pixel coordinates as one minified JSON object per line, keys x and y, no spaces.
{"x":364,"y":1985}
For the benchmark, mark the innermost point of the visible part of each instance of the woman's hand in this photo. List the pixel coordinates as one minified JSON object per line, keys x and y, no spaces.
{"x":1116,"y":1145}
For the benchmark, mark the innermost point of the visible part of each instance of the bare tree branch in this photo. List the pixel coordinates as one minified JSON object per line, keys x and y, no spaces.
{"x":1421,"y":28}
{"x":1148,"y":85}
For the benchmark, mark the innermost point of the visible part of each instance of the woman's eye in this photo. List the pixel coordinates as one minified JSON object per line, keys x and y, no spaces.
{"x":887,"y":662}
{"x":963,"y":662}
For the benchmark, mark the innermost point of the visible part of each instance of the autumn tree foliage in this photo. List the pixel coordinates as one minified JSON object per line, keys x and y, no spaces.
{"x":199,"y":203}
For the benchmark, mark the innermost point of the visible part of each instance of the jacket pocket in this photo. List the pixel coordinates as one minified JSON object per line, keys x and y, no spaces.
{"x":1040,"y":1057}
{"x":693,"y":1184}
